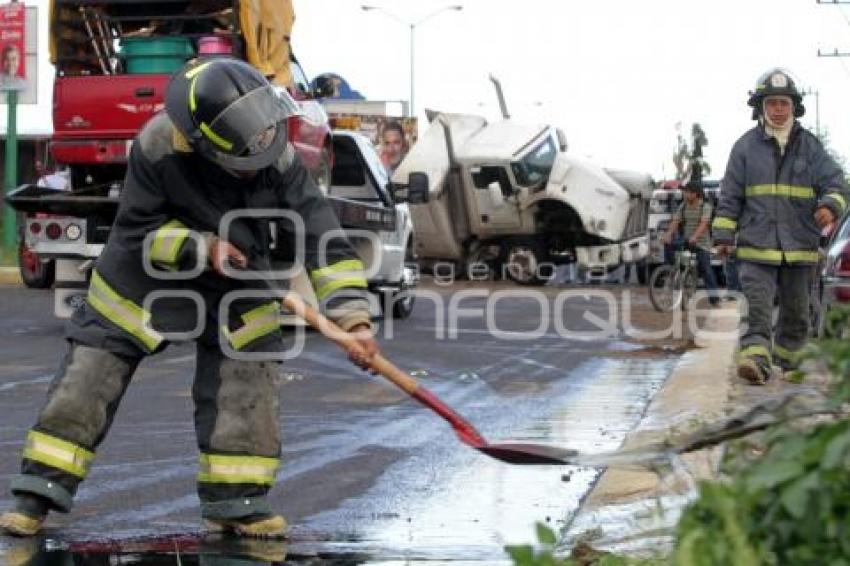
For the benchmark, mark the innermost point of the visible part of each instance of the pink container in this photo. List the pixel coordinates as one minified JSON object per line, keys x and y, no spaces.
{"x":215,"y":45}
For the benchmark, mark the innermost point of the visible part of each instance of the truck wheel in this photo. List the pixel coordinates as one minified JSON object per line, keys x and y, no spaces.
{"x":403,"y":300}
{"x":402,"y":307}
{"x":523,"y":264}
{"x":35,"y":273}
{"x":642,"y":271}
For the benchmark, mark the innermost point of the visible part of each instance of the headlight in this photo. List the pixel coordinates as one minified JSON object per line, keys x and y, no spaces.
{"x":73,"y":232}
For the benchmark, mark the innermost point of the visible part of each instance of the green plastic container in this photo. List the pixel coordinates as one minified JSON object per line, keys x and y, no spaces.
{"x":152,"y":55}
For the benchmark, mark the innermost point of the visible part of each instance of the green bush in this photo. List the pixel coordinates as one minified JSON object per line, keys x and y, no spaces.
{"x":789,"y":505}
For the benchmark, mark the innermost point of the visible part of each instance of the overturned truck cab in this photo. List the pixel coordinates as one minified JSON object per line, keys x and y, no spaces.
{"x":506,"y":199}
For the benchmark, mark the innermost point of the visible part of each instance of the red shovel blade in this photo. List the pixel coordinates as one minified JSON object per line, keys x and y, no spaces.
{"x":533,"y":454}
{"x":512,"y":453}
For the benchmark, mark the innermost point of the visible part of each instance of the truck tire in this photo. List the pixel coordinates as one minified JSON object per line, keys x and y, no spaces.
{"x":35,"y":274}
{"x":399,"y":304}
{"x":643,"y":269}
{"x":403,"y":307}
{"x":522,"y":263}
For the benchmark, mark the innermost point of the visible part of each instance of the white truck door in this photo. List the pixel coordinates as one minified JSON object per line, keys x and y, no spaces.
{"x":494,"y":198}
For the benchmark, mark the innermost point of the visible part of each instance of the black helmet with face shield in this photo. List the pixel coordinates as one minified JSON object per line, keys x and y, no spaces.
{"x":229,"y":113}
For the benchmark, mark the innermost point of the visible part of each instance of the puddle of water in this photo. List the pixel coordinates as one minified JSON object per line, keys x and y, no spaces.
{"x":24,"y":382}
{"x":445,"y":503}
{"x":173,"y":550}
{"x":453,"y":504}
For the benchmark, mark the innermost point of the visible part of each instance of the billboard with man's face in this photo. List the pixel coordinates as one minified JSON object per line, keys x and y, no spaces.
{"x":12,"y":46}
{"x":392,"y":136}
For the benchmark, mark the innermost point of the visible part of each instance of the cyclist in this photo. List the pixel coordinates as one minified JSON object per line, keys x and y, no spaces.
{"x":689,"y":228}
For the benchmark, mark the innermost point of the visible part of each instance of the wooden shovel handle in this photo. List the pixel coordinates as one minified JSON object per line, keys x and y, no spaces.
{"x":347,"y":342}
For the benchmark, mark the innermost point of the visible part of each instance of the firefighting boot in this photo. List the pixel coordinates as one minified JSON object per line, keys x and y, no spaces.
{"x":756,"y":370}
{"x":28,"y":516}
{"x":264,"y":526}
{"x":23,"y":554}
{"x":220,"y":551}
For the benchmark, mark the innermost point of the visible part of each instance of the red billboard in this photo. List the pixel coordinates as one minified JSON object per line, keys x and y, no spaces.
{"x":12,"y":60}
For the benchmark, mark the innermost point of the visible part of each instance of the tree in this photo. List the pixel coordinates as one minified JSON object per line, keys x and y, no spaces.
{"x":688,"y":159}
{"x":680,"y":157}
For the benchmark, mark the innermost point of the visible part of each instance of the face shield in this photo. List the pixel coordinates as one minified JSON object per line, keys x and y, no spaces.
{"x":251,"y":133}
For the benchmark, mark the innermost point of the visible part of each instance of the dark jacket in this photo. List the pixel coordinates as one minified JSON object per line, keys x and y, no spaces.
{"x":172,"y":201}
{"x":769,"y":199}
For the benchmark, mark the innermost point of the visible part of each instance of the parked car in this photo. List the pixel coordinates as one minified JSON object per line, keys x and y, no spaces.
{"x":835,"y":278}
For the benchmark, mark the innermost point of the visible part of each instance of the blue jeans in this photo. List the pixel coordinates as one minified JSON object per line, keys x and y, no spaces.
{"x":704,"y":268}
{"x":733,"y":282}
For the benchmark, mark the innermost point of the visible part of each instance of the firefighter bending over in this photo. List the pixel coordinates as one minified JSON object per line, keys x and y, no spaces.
{"x":220,"y":146}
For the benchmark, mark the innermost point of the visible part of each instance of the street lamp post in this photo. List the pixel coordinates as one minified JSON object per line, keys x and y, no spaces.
{"x":411,"y":111}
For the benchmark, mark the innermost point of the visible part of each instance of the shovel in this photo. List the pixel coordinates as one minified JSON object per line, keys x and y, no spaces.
{"x":512,"y":453}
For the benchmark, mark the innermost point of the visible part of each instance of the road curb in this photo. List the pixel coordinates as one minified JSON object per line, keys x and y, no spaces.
{"x":639,"y":507}
{"x":10,"y":276}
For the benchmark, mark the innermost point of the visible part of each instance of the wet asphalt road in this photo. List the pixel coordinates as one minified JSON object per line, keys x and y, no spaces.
{"x":367,"y":473}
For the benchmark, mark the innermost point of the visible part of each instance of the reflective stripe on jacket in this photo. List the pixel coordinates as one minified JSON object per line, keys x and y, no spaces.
{"x":769,"y":200}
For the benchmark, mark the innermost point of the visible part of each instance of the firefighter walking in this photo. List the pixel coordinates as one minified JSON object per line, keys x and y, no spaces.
{"x":779,"y":190}
{"x":220,"y":146}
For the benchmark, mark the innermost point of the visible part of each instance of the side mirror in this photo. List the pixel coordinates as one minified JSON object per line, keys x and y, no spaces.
{"x":494,"y":191}
{"x":417,"y":188}
{"x":416,"y":191}
{"x":562,"y":139}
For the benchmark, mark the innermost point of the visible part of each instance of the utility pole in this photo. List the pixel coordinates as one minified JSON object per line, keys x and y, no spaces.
{"x":835,"y":52}
{"x":11,"y":169}
{"x":411,"y":25}
{"x":816,"y":94}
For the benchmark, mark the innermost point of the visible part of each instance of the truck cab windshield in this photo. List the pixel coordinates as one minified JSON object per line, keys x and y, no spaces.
{"x":535,"y":167}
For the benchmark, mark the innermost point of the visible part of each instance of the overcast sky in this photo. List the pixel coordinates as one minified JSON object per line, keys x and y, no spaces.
{"x":616,"y":75}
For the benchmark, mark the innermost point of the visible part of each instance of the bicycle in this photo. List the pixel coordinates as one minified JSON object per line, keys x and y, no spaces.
{"x":672,"y":286}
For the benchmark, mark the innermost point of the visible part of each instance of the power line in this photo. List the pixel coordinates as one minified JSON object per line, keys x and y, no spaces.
{"x":844,"y":15}
{"x":835,"y":52}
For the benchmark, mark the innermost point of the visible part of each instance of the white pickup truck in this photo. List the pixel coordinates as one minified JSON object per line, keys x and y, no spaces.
{"x":71,"y":228}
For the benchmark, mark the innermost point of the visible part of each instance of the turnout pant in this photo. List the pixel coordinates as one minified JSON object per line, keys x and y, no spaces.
{"x":236,"y":417}
{"x":761,"y":284}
